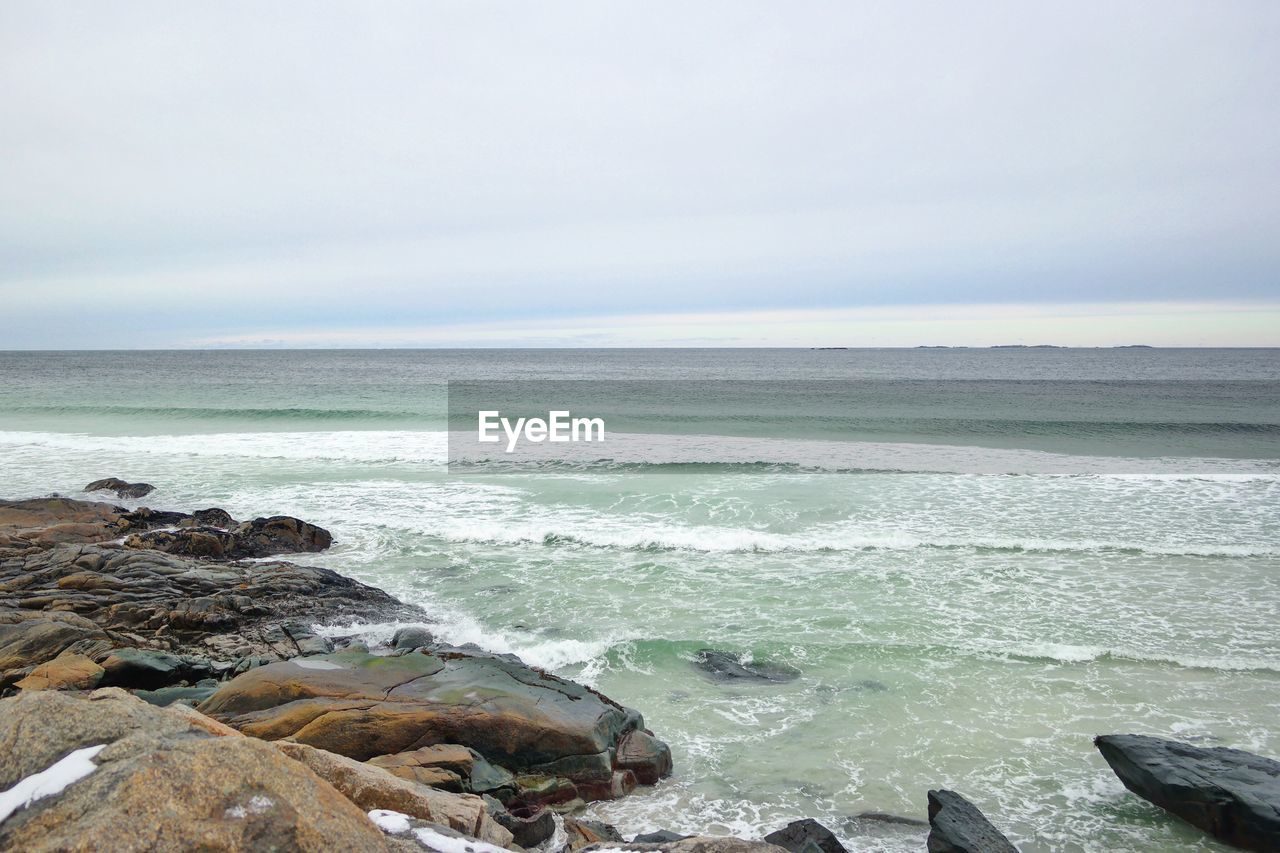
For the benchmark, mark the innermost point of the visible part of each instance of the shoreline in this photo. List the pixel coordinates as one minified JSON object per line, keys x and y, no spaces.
{"x":130,"y":637}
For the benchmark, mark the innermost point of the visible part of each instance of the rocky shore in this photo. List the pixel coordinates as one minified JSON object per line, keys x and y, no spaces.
{"x":164,"y":687}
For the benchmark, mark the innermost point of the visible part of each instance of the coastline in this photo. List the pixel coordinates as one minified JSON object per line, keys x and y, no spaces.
{"x":145,"y":654}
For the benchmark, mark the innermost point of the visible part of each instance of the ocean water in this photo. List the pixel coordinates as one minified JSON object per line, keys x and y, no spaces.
{"x":1009,"y":552}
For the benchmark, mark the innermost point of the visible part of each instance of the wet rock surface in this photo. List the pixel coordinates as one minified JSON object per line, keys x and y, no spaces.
{"x":806,"y":836}
{"x":1231,"y":794}
{"x":958,"y":827}
{"x":120,"y":487}
{"x":365,"y":706}
{"x":730,"y":667}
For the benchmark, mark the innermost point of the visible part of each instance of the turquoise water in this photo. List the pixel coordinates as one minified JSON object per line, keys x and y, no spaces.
{"x":1028,"y":547}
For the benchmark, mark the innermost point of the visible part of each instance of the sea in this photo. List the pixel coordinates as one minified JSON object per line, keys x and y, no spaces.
{"x":976,"y":560}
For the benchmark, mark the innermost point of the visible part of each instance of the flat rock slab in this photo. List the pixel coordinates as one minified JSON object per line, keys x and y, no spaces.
{"x":958,"y":827}
{"x":1231,"y":794}
{"x":362,"y":705}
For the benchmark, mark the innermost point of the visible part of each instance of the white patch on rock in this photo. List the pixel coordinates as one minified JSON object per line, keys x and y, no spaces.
{"x":49,"y":782}
{"x":256,"y":805}
{"x":442,"y":843}
{"x":392,"y":823}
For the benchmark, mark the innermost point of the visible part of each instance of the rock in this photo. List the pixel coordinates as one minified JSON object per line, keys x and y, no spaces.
{"x":448,"y":766}
{"x":695,"y":844}
{"x":958,"y":827}
{"x":99,"y":597}
{"x":644,"y":755}
{"x":551,"y":791}
{"x":362,"y":705}
{"x":279,"y":534}
{"x":121,"y":488}
{"x":412,"y":637}
{"x":193,"y":695}
{"x":1231,"y":794}
{"x":528,"y":826}
{"x":658,"y":836}
{"x":28,"y":639}
{"x":207,"y":542}
{"x":806,"y":836}
{"x":212,"y":517}
{"x":142,"y":668}
{"x":41,"y":522}
{"x":581,"y":833}
{"x":725,"y":666}
{"x":65,"y":672}
{"x":164,"y":783}
{"x":262,"y":537}
{"x":372,"y":787}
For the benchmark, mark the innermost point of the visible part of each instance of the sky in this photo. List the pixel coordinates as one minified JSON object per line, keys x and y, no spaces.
{"x":599,"y":173}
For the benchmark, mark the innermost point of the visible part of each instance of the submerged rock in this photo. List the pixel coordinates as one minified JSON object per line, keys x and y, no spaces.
{"x":1231,"y":794}
{"x":120,"y":487}
{"x":659,"y":836}
{"x":726,"y":666}
{"x":806,"y":836}
{"x":958,"y":827}
{"x":362,"y":706}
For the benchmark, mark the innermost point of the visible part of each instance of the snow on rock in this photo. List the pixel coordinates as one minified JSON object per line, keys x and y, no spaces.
{"x":49,"y":782}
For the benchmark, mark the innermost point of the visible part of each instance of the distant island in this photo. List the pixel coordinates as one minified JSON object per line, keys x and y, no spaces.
{"x":1026,"y":346}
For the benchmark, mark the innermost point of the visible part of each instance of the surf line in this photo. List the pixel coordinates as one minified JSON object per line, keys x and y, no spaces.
{"x":559,"y":426}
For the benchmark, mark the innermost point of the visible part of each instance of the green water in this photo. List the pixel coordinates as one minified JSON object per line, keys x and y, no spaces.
{"x":1013,"y":569}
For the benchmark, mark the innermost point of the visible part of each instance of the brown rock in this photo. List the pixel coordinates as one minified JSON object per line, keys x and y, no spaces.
{"x":65,"y":672}
{"x":163,"y":784}
{"x":362,"y":705}
{"x":372,"y":787}
{"x":644,"y":755}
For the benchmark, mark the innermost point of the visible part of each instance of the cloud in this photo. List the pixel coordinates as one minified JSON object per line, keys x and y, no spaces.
{"x":191,"y":173}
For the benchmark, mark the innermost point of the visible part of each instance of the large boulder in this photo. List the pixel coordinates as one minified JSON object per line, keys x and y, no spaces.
{"x":958,"y":827}
{"x":120,"y":487}
{"x":162,"y":782}
{"x":261,"y":537}
{"x":363,"y":705}
{"x":1231,"y":794}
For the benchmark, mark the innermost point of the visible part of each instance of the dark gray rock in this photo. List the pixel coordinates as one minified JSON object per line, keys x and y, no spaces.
{"x":806,"y":836}
{"x":411,"y":637}
{"x":726,"y":666}
{"x":659,"y":836}
{"x":958,"y":827}
{"x":1231,"y":794}
{"x":528,"y":826}
{"x":120,"y":487}
{"x":166,"y":696}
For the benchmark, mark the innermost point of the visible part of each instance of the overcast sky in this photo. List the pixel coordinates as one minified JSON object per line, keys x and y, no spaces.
{"x":600,"y":173}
